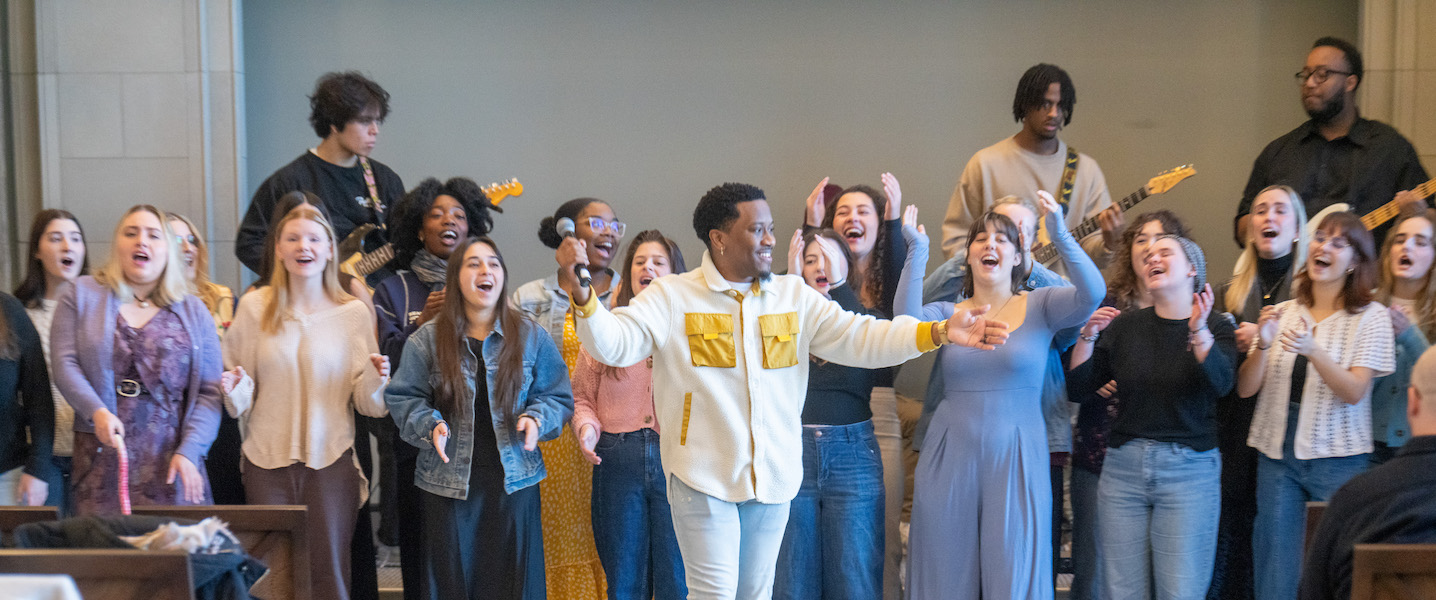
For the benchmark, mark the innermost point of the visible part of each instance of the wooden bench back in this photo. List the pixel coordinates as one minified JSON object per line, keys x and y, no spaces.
{"x":109,"y":574}
{"x":1393,"y":572}
{"x":15,"y":516}
{"x":273,"y":534}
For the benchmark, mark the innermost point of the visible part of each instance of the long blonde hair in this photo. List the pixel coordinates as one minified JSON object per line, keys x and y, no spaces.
{"x":211,"y":293}
{"x":1426,"y":298}
{"x":173,"y":286}
{"x":279,"y":302}
{"x":1245,"y":272}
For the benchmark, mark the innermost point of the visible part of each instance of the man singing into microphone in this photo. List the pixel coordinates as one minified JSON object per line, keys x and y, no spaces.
{"x":729,"y":343}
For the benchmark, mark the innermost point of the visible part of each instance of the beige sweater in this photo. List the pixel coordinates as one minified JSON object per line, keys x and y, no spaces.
{"x":308,"y":378}
{"x":1006,"y":169}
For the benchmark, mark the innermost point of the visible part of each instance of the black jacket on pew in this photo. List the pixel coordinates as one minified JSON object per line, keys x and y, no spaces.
{"x":226,"y":575}
{"x":1394,"y":503}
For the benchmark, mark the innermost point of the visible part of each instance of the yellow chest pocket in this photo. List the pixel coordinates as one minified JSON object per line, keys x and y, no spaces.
{"x":780,"y":339}
{"x":710,"y":339}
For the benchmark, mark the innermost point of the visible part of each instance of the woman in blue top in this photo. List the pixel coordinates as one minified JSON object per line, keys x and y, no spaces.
{"x":478,"y":431}
{"x":981,"y":515}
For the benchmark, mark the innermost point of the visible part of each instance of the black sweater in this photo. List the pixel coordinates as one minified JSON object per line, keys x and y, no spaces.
{"x":1166,"y":394}
{"x":27,"y":410}
{"x":337,"y":186}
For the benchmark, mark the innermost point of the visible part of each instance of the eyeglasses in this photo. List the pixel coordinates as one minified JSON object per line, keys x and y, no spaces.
{"x":189,"y":239}
{"x":1320,"y":74}
{"x":597,"y":224}
{"x":1337,"y":241}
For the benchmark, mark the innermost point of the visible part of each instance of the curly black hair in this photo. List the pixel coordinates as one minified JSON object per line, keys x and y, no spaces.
{"x":548,"y":227}
{"x":340,"y":97}
{"x":1032,"y":91}
{"x":719,"y":208}
{"x":407,"y":219}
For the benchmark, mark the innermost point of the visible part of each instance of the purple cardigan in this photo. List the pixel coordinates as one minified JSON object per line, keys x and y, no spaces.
{"x":82,"y":341}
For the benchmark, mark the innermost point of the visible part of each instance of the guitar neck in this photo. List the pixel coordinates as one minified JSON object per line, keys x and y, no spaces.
{"x":1390,"y":210}
{"x":1047,"y":252}
{"x":375,"y":260}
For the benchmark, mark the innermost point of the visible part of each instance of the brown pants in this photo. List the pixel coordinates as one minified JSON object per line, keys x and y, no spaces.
{"x":332,"y":496}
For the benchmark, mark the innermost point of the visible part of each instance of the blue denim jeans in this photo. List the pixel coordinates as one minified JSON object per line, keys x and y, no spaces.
{"x":632,"y":526}
{"x":1159,"y":505}
{"x":1283,"y":489}
{"x":1086,"y":552}
{"x":833,"y":547}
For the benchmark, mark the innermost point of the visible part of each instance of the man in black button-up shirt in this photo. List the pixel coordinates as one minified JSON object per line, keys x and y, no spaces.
{"x":1394,"y":503}
{"x":1337,"y":156}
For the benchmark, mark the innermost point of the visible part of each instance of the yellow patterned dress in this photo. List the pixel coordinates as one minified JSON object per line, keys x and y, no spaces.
{"x":570,"y":558}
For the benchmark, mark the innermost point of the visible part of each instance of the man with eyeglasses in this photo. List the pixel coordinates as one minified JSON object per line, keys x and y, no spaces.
{"x":345,"y":111}
{"x":1336,"y":156}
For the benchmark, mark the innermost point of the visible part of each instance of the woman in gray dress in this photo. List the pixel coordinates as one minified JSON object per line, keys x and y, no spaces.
{"x":981,"y":515}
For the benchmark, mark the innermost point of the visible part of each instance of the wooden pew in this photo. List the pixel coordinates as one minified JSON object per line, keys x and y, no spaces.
{"x":1314,"y":511}
{"x":15,"y":516}
{"x":273,"y":534}
{"x":1393,"y":572}
{"x":109,"y":574}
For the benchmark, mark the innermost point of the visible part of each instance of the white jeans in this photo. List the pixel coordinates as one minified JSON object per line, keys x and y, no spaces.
{"x":729,"y":549}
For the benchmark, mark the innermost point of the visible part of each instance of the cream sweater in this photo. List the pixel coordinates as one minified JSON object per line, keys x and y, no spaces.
{"x":308,"y":378}
{"x":1006,"y":169}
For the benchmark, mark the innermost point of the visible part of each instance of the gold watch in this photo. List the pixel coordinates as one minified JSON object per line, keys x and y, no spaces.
{"x":942,"y":333}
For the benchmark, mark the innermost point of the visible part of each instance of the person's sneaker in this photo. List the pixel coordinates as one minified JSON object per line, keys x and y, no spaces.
{"x":387,"y":557}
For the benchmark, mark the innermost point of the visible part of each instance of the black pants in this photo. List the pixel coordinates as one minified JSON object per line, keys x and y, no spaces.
{"x":364,"y":578}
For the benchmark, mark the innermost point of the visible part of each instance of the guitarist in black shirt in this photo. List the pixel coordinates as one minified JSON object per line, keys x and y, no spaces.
{"x":345,"y":111}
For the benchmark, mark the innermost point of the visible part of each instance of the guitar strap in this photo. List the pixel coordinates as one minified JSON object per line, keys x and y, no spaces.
{"x":1069,"y":177}
{"x":378,"y":205}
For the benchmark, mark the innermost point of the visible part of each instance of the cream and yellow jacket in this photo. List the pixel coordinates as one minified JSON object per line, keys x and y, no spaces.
{"x":730,"y":370}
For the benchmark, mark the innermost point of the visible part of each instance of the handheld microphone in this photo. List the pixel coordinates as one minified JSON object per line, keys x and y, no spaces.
{"x":564,"y":227}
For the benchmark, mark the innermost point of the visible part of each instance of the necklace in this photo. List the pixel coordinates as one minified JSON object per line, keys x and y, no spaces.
{"x":143,"y":302}
{"x":1267,"y":292}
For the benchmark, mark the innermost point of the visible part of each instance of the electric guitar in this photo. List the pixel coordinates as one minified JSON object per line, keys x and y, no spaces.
{"x":1164,"y":181}
{"x":1375,"y":218}
{"x":359,"y":264}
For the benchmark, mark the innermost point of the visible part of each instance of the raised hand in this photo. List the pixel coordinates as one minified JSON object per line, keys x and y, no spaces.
{"x":572,"y":251}
{"x":894,"y":194}
{"x":910,"y":227}
{"x":381,"y":364}
{"x":795,"y":253}
{"x":432,"y":305}
{"x":1048,"y":205}
{"x":837,"y":260}
{"x":189,"y":478}
{"x":813,"y":217}
{"x":440,"y":440}
{"x":587,"y":441}
{"x":231,"y":378}
{"x":530,"y":428}
{"x":1201,"y":309}
{"x":968,"y":327}
{"x":1099,"y":320}
{"x":1267,"y":325}
{"x":1300,"y":341}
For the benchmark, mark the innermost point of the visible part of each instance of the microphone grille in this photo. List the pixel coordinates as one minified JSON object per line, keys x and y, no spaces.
{"x":564,"y":227}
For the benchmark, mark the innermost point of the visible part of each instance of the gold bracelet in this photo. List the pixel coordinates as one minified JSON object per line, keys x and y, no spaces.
{"x":942,"y":333}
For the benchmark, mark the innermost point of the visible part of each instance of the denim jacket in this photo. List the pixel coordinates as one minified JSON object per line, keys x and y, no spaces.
{"x":1388,"y":394}
{"x":545,"y":396}
{"x":547,"y":304}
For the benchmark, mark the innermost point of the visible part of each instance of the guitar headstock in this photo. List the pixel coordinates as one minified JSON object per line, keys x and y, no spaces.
{"x":498,"y":191}
{"x":1168,"y":179}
